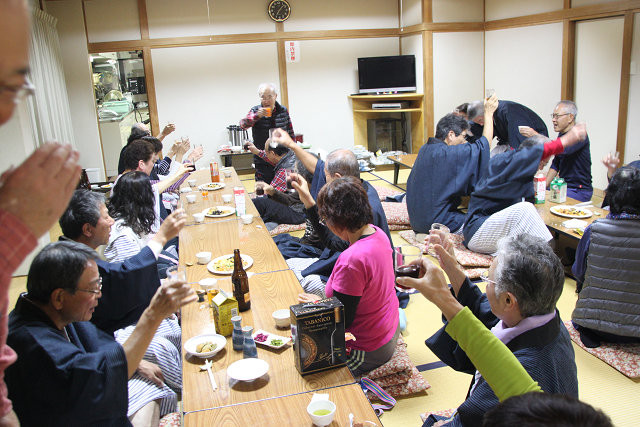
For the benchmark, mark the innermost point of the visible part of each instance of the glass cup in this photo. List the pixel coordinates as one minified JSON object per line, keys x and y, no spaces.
{"x":205,"y":194}
{"x":440,"y":227}
{"x":489,"y":93}
{"x":268,"y":111}
{"x":402,"y":268}
{"x":289,"y":180}
{"x":177,"y":273}
{"x":260,"y":189}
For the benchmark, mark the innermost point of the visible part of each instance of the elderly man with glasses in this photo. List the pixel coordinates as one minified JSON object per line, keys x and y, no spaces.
{"x":269,"y":114}
{"x":574,"y":164}
{"x":68,"y":371}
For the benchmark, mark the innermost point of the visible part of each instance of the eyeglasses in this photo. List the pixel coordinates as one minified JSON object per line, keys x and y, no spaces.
{"x":485,"y":277}
{"x":556,"y":116}
{"x":267,"y":96}
{"x":93,"y":291}
{"x":19,"y":92}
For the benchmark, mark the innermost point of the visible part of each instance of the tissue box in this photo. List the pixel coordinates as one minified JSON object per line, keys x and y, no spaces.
{"x":318,"y":335}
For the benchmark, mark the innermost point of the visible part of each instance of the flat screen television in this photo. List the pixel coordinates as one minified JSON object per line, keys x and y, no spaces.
{"x":387,"y":74}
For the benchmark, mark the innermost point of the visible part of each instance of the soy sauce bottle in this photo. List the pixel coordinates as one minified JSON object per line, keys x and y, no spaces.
{"x":240,"y":282}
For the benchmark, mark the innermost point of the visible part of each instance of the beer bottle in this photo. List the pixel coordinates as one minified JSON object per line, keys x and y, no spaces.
{"x":240,"y":282}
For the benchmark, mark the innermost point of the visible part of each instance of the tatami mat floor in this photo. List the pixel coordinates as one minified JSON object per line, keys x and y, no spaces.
{"x":600,"y":385}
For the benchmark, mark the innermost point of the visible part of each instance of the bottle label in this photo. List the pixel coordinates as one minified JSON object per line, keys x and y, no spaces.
{"x":234,"y":312}
{"x":246,"y":297}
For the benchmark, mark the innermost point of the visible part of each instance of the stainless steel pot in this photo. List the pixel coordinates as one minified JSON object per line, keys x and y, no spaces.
{"x":237,"y":135}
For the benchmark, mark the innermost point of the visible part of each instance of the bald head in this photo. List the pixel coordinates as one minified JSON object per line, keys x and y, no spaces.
{"x":14,"y":53}
{"x":341,"y":163}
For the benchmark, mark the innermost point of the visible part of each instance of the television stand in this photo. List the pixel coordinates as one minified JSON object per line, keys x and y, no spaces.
{"x":362,"y":106}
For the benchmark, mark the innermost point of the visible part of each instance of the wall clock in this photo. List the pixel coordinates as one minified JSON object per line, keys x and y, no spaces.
{"x":279,"y":10}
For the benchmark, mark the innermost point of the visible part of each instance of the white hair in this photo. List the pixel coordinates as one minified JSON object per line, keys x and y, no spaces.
{"x":264,"y":86}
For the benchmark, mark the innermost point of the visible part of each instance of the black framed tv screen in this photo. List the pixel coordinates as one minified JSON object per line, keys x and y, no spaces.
{"x":387,"y":74}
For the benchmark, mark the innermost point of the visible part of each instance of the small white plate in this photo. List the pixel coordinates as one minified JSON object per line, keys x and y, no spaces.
{"x":562,"y":211}
{"x":191,"y":344}
{"x":270,"y":337}
{"x":247,"y":369}
{"x":212,"y":265}
{"x":226,"y":211}
{"x":212,"y":186}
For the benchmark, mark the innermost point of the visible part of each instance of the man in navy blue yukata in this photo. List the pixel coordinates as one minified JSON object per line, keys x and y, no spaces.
{"x":574,"y":165}
{"x":508,"y":117}
{"x":446,"y":169}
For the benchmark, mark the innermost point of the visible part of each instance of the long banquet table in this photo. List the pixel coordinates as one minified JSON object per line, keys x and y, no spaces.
{"x":282,"y":391}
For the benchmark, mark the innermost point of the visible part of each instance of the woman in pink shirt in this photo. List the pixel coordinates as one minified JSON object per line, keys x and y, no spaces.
{"x":363,"y":277}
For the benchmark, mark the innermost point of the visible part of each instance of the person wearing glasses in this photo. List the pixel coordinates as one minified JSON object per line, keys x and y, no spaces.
{"x":574,"y":164}
{"x":68,"y":371}
{"x":269,"y":114}
{"x":525,"y":282}
{"x":128,"y":289}
{"x":28,"y":208}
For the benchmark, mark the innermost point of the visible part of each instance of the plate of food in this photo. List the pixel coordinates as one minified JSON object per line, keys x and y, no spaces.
{"x":571,"y":212}
{"x":247,"y":369}
{"x":106,"y":186}
{"x":205,"y":345}
{"x":224,"y":264}
{"x":269,"y":339}
{"x":212,"y":186}
{"x":218,"y":211}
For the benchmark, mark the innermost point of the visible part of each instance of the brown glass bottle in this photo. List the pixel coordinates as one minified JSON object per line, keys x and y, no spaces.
{"x":240,"y":282}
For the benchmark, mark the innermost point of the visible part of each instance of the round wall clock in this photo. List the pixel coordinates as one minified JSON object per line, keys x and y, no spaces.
{"x":279,"y":10}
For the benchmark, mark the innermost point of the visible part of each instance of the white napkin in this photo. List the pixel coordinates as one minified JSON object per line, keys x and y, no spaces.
{"x":574,"y":223}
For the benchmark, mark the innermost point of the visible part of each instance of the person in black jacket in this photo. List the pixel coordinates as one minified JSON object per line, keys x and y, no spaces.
{"x":262,"y":117}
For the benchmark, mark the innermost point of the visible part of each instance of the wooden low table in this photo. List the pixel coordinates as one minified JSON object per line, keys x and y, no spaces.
{"x":554,"y":222}
{"x":287,"y":410}
{"x":406,"y":160}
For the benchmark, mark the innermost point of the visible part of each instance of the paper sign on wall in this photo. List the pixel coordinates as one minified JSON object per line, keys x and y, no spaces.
{"x":292,"y":50}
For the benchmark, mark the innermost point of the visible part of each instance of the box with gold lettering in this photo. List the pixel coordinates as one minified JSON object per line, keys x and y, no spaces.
{"x":318,"y":335}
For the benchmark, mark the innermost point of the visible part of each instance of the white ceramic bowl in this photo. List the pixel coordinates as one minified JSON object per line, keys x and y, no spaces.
{"x":227,"y":173}
{"x":199,"y":217}
{"x":282,"y":318}
{"x":227,"y":198}
{"x":192,"y":182}
{"x":203,"y":257}
{"x":208,"y":283}
{"x":185,"y":190}
{"x":247,"y":218}
{"x":191,"y":198}
{"x":321,"y":420}
{"x":190,"y":345}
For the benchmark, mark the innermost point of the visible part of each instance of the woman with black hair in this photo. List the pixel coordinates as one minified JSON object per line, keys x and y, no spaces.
{"x":607,"y":267}
{"x":132,"y":207}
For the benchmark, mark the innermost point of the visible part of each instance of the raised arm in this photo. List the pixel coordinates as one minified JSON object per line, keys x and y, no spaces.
{"x":490,"y":106}
{"x":308,"y":160}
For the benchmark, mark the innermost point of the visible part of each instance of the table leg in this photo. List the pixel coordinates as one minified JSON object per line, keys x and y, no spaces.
{"x":396,"y":171}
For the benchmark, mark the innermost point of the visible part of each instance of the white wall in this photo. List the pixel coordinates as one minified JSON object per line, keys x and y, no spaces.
{"x":77,"y":71}
{"x":341,"y":15}
{"x":112,"y":20}
{"x":204,"y":89}
{"x":632,"y":149}
{"x":320,"y":83}
{"x":525,"y":65}
{"x":501,"y":9}
{"x":171,"y":18}
{"x":457,"y":11}
{"x":597,"y":87}
{"x":412,"y":45}
{"x":411,"y":12}
{"x":457,"y":71}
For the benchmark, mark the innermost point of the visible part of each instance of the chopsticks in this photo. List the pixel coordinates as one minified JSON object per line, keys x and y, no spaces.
{"x":208,"y":365}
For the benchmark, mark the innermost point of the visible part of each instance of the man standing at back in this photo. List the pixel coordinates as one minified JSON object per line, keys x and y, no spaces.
{"x":27,"y":207}
{"x":446,"y":169}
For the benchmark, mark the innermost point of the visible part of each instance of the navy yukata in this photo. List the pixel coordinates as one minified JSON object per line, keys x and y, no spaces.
{"x":57,"y":381}
{"x":441,"y":175}
{"x":508,"y":116}
{"x":574,"y":166}
{"x":509,"y":180}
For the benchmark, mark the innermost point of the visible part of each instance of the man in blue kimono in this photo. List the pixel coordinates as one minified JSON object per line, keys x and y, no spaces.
{"x":68,"y":371}
{"x":127,"y":286}
{"x":501,"y":203}
{"x":446,"y":169}
{"x":508,"y":116}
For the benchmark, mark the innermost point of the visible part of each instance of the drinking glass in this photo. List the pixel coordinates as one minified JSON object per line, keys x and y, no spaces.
{"x":441,"y":227}
{"x":177,"y":273}
{"x":289,"y":179}
{"x":489,"y":93}
{"x":401,"y":257}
